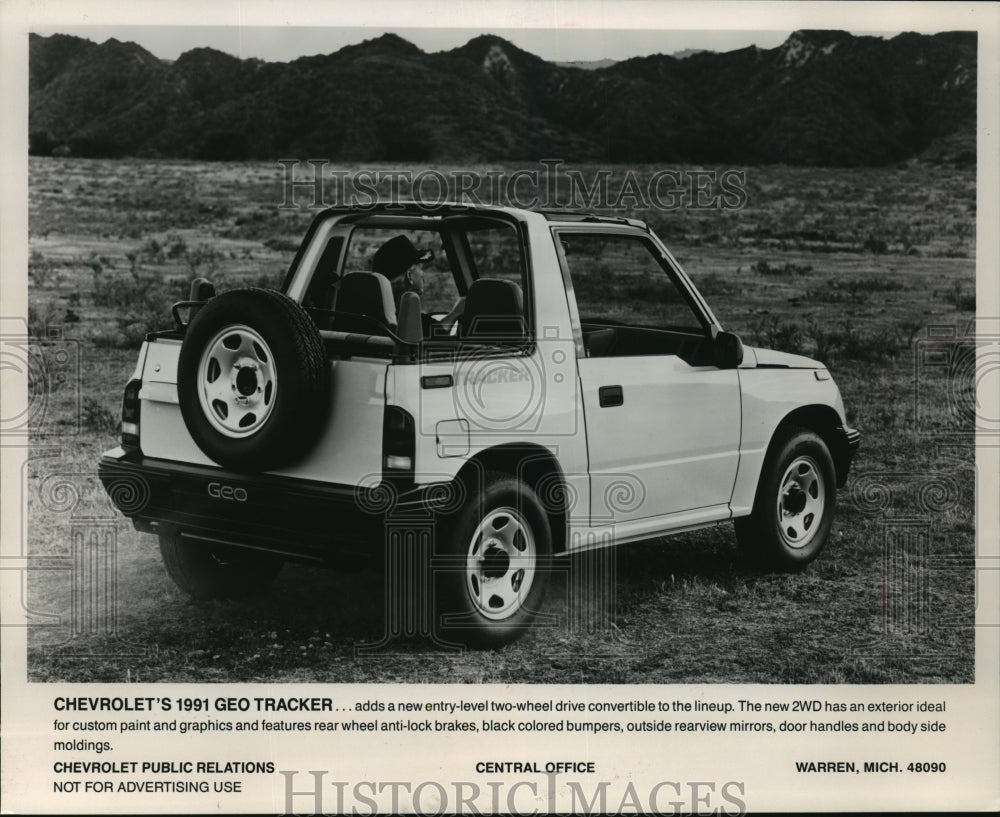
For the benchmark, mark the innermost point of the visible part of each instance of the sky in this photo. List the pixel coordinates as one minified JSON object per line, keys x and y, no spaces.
{"x":274,"y":43}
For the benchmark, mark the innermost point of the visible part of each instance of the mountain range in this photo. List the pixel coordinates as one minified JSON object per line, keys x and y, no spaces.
{"x":821,"y":98}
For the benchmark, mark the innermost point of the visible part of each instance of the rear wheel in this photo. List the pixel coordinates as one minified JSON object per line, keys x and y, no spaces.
{"x":205,"y":571}
{"x":492,"y":571}
{"x":793,"y":509}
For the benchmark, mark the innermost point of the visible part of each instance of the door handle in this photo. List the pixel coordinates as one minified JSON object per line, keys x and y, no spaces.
{"x":610,"y":396}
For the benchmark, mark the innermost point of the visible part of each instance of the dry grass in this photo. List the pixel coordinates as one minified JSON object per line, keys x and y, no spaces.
{"x":686,"y":609}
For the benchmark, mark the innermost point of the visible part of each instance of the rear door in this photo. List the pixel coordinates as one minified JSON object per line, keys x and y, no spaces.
{"x":347,"y":451}
{"x":663,"y":423}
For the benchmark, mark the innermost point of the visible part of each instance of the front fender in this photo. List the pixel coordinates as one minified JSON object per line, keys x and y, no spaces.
{"x":772,"y":396}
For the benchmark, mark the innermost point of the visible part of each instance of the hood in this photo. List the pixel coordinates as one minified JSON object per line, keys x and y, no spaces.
{"x":784,"y":360}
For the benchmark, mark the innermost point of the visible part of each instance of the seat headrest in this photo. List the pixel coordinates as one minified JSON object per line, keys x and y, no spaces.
{"x":411,"y":322}
{"x":365,"y":293}
{"x":493,"y":308}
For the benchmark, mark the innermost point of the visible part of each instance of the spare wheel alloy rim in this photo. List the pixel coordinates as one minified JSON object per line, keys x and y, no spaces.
{"x":237,"y":381}
{"x":501,"y":564}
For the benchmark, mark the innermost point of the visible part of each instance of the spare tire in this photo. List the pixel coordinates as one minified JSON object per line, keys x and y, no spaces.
{"x":253,"y":380}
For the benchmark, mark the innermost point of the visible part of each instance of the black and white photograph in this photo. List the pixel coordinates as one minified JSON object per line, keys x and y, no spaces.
{"x":550,"y":384}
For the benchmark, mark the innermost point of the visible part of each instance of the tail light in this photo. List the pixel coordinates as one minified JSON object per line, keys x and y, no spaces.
{"x":398,"y":443}
{"x":130,"y":414}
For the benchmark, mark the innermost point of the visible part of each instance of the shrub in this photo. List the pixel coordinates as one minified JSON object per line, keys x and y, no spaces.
{"x":853,"y":290}
{"x":176,"y":246}
{"x":827,"y":343}
{"x":153,"y":250}
{"x":42,"y":271}
{"x":961,"y":300}
{"x":96,"y":417}
{"x":141,"y":299}
{"x":261,"y":222}
{"x":763,"y":268}
{"x":868,"y":285}
{"x":202,"y":256}
{"x":875,"y":245}
{"x":882,"y":344}
{"x":261,"y":280}
{"x":772,"y":332}
{"x":130,"y":329}
{"x":715,"y":284}
{"x":43,"y":316}
{"x":279,"y":244}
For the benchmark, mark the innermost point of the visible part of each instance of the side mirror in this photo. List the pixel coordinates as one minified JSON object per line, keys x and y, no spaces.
{"x":728,"y":350}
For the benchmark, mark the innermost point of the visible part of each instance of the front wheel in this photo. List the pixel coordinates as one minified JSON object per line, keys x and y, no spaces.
{"x":793,"y":509}
{"x":205,"y":571}
{"x":492,"y":567}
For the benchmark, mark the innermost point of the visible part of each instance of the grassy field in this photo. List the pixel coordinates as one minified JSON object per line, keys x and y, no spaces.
{"x":868,"y":270}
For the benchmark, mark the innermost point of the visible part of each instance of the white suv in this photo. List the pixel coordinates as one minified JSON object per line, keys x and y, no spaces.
{"x":515,"y":384}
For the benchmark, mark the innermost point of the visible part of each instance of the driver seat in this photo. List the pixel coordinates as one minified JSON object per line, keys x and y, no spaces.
{"x":367,"y":297}
{"x":494,"y":309}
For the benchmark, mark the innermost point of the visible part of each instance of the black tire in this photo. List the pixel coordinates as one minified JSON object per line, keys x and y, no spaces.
{"x":270,"y":370}
{"x":794,"y":506}
{"x":481,"y":601}
{"x":206,"y":572}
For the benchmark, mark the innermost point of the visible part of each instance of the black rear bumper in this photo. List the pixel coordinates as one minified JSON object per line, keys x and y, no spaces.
{"x":300,"y":519}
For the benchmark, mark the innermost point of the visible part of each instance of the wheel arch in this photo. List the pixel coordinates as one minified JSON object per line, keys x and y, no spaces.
{"x":539,"y":468}
{"x":824,"y":421}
